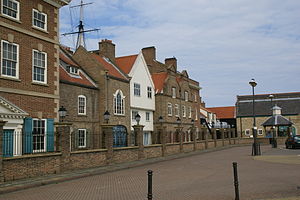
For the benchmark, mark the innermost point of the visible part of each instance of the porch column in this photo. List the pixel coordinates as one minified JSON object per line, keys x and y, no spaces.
{"x":163,"y":138}
{"x":107,"y":131}
{"x":138,"y":130}
{"x":180,"y":137}
{"x":63,"y":130}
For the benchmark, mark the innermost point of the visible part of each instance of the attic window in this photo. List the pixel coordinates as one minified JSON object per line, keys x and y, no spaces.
{"x":72,"y":70}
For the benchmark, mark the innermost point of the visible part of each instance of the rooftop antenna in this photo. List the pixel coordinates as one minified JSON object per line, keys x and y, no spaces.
{"x":81,"y":31}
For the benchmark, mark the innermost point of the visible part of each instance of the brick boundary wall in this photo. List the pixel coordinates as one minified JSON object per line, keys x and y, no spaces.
{"x":28,"y":166}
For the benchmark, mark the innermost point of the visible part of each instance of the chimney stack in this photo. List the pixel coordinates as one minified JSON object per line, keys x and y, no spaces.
{"x":107,"y":49}
{"x":149,"y":54}
{"x":171,"y":61}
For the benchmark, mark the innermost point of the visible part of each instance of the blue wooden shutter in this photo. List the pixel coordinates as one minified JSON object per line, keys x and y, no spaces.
{"x":50,"y":135}
{"x":28,"y":146}
{"x":7,"y":143}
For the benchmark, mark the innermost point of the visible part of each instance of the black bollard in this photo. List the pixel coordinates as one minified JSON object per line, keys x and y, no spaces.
{"x":236,"y":181}
{"x":150,"y":173}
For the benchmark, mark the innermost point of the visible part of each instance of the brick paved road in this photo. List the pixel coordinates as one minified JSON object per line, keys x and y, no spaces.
{"x":205,"y":176}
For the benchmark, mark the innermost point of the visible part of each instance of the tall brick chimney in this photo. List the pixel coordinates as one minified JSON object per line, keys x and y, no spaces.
{"x":107,"y":49}
{"x":149,"y":54}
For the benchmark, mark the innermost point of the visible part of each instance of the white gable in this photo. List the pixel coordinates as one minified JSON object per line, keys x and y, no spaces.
{"x":8,"y":110}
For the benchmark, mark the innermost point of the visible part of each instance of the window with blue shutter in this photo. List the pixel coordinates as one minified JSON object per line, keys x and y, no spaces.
{"x":28,"y":147}
{"x":50,"y":135}
{"x":7,"y":146}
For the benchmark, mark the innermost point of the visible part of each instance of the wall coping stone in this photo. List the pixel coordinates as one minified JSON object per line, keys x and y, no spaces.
{"x":89,"y":151}
{"x":33,"y":156}
{"x":125,"y":148}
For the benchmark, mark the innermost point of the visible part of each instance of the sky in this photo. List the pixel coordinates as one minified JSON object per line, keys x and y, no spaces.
{"x":222,"y":44}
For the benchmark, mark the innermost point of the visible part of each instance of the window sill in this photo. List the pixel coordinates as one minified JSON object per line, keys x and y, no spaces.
{"x":40,"y":29}
{"x":10,"y":78}
{"x":81,"y":115}
{"x":40,"y":84}
{"x":11,"y":18}
{"x":119,"y":115}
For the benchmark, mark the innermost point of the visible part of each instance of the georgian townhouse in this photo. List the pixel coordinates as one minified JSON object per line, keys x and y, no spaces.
{"x":142,"y":98}
{"x":177,"y":98}
{"x":29,"y":74}
{"x":114,"y":88}
{"x":79,"y":96}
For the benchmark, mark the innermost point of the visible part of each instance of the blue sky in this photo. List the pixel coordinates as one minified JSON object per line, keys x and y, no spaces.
{"x":222,"y":44}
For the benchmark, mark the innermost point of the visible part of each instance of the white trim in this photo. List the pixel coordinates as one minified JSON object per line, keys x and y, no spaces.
{"x":190,"y":112}
{"x":45,"y":69}
{"x":122,"y":103}
{"x":173,"y":92}
{"x":183,"y":111}
{"x":18,"y":10}
{"x":17,"y":62}
{"x":262,"y":132}
{"x":82,"y":129}
{"x":45,"y":135}
{"x":84,"y":97}
{"x":170,"y":106}
{"x":247,"y":130}
{"x":46,"y":18}
{"x":176,"y":111}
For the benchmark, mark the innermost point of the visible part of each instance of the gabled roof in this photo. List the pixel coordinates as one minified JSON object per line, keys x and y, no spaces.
{"x":80,"y":79}
{"x":113,"y":70}
{"x":227,"y":112}
{"x":126,"y":62}
{"x":11,"y":110}
{"x":159,"y":80}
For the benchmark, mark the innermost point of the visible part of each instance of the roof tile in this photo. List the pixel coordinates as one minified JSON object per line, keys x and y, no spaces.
{"x":126,"y":62}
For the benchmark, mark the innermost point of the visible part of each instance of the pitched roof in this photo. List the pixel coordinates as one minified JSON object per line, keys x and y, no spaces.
{"x":158,"y":80}
{"x":289,"y":102}
{"x":79,"y":79}
{"x":227,"y":112}
{"x":67,"y":60}
{"x":112,"y":69}
{"x":126,"y":62}
{"x":277,"y":120}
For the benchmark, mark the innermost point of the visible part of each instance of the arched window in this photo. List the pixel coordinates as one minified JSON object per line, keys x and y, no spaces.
{"x":81,"y":105}
{"x":119,"y":103}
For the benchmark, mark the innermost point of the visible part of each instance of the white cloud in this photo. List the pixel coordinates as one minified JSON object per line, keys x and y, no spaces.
{"x":223,"y":44}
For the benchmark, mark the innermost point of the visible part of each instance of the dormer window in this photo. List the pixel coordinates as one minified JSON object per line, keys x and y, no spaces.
{"x":72,"y":70}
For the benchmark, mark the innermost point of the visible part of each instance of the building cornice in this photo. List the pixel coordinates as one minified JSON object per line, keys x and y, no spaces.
{"x":28,"y":93}
{"x":58,"y":3}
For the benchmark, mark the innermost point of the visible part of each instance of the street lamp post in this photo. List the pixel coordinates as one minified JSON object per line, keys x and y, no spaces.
{"x":255,"y":151}
{"x":106,"y":116}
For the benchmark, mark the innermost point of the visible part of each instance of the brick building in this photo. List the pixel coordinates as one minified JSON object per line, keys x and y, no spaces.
{"x":79,"y":96}
{"x":29,"y":76}
{"x":176,"y":95}
{"x":288,"y":102}
{"x":114,"y":88}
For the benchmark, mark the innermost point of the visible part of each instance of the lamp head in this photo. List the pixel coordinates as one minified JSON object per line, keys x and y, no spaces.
{"x":138,"y":118}
{"x":252,"y":82}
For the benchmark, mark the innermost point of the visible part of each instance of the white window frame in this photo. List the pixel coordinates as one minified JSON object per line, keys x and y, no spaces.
{"x":45,"y":136}
{"x":260,"y":130}
{"x":186,"y":96}
{"x":176,"y":110}
{"x":18,"y":10}
{"x":84,"y":131}
{"x":149,"y":92}
{"x":195,"y":98}
{"x":183,"y":111}
{"x":17,"y":61}
{"x":121,"y":110}
{"x":45,"y":68}
{"x":174,"y":92}
{"x":79,"y":105}
{"x":170,"y":108}
{"x":147,"y":116}
{"x":72,"y":70}
{"x":247,"y":132}
{"x":46,"y":24}
{"x":196,"y":115}
{"x":137,"y":89}
{"x":190,"y":112}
